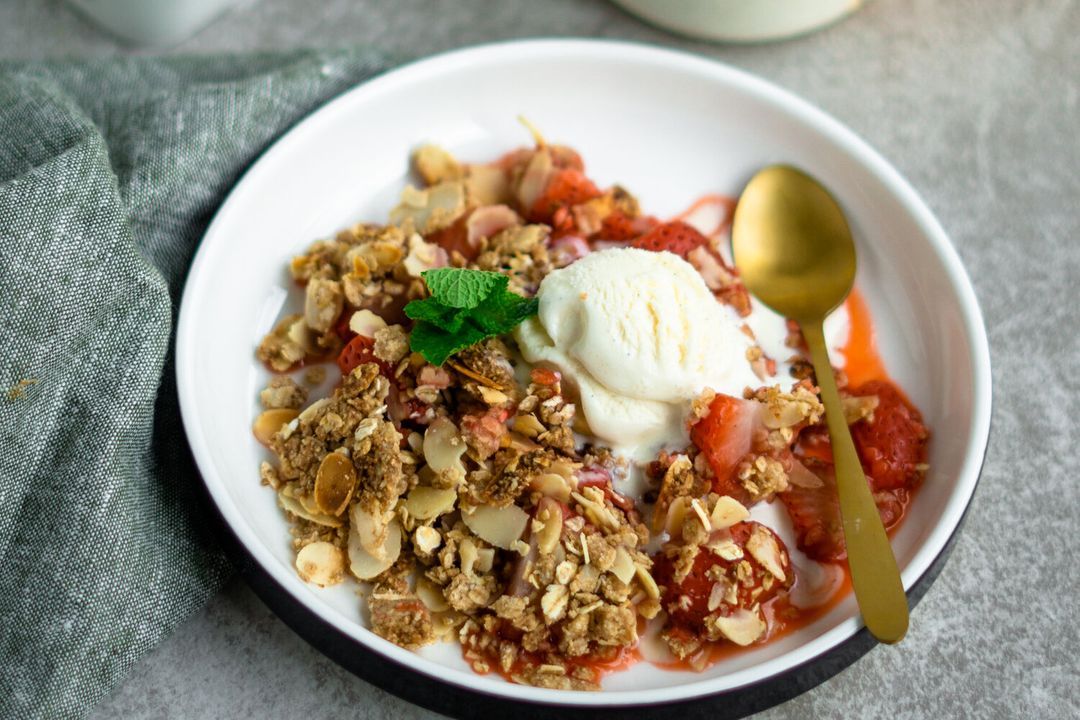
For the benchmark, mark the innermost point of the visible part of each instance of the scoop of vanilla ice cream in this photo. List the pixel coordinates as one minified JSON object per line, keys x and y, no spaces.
{"x":639,"y":335}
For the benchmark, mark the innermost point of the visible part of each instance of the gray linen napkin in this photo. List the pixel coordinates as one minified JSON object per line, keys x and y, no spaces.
{"x":109,"y":172}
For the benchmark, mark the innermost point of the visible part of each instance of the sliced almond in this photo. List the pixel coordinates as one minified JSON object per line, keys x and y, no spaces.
{"x":623,"y":567}
{"x":742,"y":627}
{"x":591,"y":500}
{"x":422,"y":256}
{"x":289,"y":428}
{"x":446,"y":625}
{"x":430,"y":209}
{"x":551,"y":485}
{"x":294,"y":506}
{"x":311,"y":411}
{"x":671,"y":487}
{"x":491,"y":396}
{"x":647,"y":581}
{"x":425,"y":503}
{"x":763,"y":547}
{"x":528,"y":425}
{"x":485,"y":559}
{"x":535,"y":178}
{"x":500,"y":526}
{"x":727,"y":512}
{"x":320,"y":563}
{"x":365,"y":565}
{"x":487,"y":185}
{"x":548,"y":525}
{"x":489,"y":221}
{"x":270,"y":421}
{"x":564,"y":468}
{"x":520,"y":443}
{"x":435,"y":164}
{"x":676,"y":515}
{"x":716,"y":595}
{"x":370,"y":529}
{"x":468,"y":555}
{"x":431,"y":595}
{"x":443,"y":447}
{"x":335,"y":483}
{"x":366,"y":323}
{"x":300,"y":335}
{"x":725,"y":547}
{"x":703,"y":516}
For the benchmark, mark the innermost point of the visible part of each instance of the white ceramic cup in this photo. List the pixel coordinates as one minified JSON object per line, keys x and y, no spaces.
{"x":741,"y":20}
{"x":153,"y":22}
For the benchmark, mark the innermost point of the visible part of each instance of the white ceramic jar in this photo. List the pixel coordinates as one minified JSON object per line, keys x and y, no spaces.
{"x":741,"y":20}
{"x":153,"y":22}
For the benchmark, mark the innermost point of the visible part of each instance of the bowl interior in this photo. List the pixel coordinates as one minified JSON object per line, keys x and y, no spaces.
{"x":670,"y":128}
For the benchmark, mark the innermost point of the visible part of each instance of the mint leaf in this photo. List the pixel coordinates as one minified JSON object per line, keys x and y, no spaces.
{"x":461,"y":288}
{"x":432,"y":311}
{"x":502,"y":312}
{"x":437,"y":345}
{"x":465,"y":307}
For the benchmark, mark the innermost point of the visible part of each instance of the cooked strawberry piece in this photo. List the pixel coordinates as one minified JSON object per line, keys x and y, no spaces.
{"x":725,"y":437}
{"x":361,"y":350}
{"x":687,"y":601}
{"x":514,"y":159}
{"x":815,"y":514}
{"x":455,"y":238}
{"x":736,"y":295}
{"x":815,"y":511}
{"x":814,"y":443}
{"x":562,"y":222}
{"x":341,"y":327}
{"x":619,"y":227}
{"x":545,"y":376}
{"x":566,"y":157}
{"x":566,"y":188}
{"x":891,"y":505}
{"x":567,"y":249}
{"x":485,"y":430}
{"x":675,"y":237}
{"x":893,"y":444}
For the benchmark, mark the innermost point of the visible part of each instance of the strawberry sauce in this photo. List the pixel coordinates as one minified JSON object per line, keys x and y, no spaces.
{"x":862,"y":361}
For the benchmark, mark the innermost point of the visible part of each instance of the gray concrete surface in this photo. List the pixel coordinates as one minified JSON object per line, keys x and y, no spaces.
{"x":976,"y":102}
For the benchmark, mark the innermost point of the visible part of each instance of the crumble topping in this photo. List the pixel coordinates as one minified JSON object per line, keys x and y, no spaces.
{"x":462,"y":494}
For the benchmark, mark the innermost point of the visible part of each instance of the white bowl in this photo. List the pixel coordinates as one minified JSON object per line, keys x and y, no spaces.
{"x":671,"y":127}
{"x":741,"y":20}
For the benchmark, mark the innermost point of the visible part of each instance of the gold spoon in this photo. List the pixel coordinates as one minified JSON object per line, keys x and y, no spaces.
{"x":795,"y":253}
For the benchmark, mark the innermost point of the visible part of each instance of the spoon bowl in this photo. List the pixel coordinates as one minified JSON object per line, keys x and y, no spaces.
{"x":794,"y":250}
{"x":803,"y":278}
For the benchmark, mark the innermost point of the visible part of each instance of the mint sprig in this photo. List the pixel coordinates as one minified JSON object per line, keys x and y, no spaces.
{"x":465,"y":307}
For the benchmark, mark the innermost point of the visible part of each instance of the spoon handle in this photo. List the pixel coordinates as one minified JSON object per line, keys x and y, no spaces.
{"x":874,"y":574}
